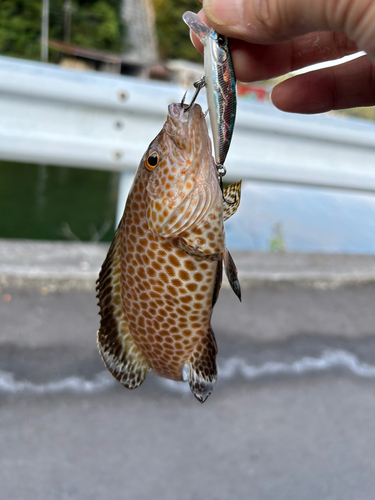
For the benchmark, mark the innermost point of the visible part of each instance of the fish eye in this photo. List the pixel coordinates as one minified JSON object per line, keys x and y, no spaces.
{"x":152,"y":160}
{"x":221,"y":40}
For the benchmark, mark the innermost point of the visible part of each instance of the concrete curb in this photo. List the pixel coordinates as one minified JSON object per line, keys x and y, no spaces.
{"x":64,"y":266}
{"x":53,"y":266}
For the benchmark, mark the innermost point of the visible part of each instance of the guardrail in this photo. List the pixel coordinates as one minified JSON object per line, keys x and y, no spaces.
{"x":56,"y":116}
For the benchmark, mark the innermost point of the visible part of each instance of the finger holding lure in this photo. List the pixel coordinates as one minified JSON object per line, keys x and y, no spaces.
{"x":220,"y":82}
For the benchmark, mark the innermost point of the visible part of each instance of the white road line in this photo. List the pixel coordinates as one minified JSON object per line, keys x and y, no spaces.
{"x":231,"y":368}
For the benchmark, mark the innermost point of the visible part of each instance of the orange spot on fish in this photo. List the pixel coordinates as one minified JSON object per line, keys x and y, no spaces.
{"x":190,"y":265}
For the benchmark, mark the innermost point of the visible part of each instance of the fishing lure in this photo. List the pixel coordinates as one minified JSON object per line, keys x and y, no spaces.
{"x":162,"y":274}
{"x":221,"y":85}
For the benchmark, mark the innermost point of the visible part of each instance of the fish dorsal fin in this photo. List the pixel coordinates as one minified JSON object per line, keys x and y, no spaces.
{"x":232,"y":198}
{"x":201,"y":367}
{"x":231,"y":272}
{"x":116,"y":346}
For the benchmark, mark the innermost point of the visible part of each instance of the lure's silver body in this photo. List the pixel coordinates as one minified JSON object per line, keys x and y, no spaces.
{"x":220,"y":83}
{"x":221,"y":94}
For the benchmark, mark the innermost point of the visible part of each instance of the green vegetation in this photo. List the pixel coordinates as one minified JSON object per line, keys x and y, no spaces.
{"x":277,"y":239}
{"x":172,"y":32}
{"x":20,"y":28}
{"x":56,"y":203}
{"x":94,"y":24}
{"x":97,"y":25}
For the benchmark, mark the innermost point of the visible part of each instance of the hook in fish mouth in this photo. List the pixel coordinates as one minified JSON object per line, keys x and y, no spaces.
{"x":199,"y":84}
{"x":183,"y":99}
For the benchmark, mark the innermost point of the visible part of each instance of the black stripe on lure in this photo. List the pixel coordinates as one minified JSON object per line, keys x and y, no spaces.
{"x":221,"y":86}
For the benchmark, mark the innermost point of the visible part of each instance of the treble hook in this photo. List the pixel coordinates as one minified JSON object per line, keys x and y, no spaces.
{"x":199,"y":84}
{"x":183,"y":99}
{"x":221,"y":171}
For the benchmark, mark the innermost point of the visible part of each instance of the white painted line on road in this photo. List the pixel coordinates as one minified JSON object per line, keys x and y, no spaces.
{"x":328,"y":360}
{"x":101,"y":381}
{"x":230,"y":369}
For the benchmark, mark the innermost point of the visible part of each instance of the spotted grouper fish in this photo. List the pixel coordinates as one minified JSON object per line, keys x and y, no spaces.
{"x":162,"y":274}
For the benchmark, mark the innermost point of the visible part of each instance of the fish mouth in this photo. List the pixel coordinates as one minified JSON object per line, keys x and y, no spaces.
{"x":180,"y":112}
{"x":184,"y":123}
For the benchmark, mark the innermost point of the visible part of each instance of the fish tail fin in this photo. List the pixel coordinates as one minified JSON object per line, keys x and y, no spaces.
{"x":232,"y":274}
{"x":119,"y":352}
{"x":201,"y":367}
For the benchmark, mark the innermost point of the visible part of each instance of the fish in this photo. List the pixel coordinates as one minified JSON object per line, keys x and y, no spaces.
{"x":161,"y":277}
{"x":220,"y":81}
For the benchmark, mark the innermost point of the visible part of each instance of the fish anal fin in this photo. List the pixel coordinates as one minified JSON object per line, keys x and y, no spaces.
{"x":119,"y":353}
{"x":201,"y":367}
{"x":232,"y":198}
{"x":232,"y":274}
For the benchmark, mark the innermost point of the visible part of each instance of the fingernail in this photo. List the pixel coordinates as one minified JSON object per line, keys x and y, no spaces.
{"x":270,"y":95}
{"x":224,"y":13}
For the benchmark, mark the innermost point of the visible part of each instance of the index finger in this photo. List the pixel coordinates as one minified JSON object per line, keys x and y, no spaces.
{"x":254,"y":62}
{"x":275,"y":21}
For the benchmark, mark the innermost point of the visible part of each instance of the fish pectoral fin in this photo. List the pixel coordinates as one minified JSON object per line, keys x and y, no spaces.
{"x":231,"y":199}
{"x":218,"y":282}
{"x":201,"y":367}
{"x":119,"y":353}
{"x":232,"y":274}
{"x":186,"y":244}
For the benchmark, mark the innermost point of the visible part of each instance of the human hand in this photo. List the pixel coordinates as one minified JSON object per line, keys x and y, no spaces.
{"x":273,"y":37}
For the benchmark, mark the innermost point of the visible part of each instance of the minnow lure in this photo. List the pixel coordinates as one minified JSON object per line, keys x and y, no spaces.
{"x":162,"y":274}
{"x":220,"y":82}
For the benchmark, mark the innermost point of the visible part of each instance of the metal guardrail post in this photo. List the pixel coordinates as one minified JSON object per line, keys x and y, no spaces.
{"x":45,"y":30}
{"x":126,"y":181}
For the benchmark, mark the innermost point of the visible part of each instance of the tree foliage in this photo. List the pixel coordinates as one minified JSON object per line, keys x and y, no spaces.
{"x":172,"y":32}
{"x":94,"y":24}
{"x":20,"y":28}
{"x":97,"y":25}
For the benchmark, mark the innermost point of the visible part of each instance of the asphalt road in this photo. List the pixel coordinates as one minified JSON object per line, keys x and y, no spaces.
{"x":291,"y":417}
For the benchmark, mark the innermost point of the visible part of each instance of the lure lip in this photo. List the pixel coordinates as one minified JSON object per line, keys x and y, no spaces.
{"x":197,"y":26}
